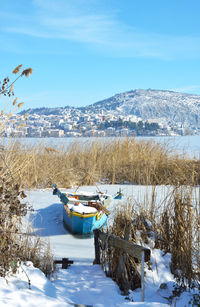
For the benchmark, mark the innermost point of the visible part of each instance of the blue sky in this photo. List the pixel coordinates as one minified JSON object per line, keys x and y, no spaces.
{"x":83,"y":51}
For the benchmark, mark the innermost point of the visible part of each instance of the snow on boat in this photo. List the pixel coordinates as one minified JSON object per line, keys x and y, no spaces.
{"x":83,"y":212}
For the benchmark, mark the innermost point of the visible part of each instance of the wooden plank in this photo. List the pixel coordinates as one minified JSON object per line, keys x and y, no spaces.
{"x":99,"y":206}
{"x":130,"y":248}
{"x":105,"y":210}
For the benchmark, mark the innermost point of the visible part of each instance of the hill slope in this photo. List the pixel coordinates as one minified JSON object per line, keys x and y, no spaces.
{"x":167,"y":106}
{"x":147,"y":104}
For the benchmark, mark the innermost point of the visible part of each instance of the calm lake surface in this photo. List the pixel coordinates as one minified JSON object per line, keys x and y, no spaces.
{"x":187,"y":145}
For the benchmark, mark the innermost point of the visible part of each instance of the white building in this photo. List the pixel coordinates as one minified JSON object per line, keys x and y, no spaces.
{"x":56,"y":133}
{"x":124,"y":132}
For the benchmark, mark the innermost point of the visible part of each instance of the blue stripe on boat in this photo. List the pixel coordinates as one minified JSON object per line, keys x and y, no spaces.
{"x":82,"y":225}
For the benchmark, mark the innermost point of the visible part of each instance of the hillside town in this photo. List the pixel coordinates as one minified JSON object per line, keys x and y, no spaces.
{"x":80,"y":124}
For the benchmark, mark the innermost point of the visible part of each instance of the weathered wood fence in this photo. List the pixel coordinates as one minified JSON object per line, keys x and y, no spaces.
{"x":136,"y":251}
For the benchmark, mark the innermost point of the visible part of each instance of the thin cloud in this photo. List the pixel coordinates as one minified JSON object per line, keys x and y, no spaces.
{"x":187,"y":89}
{"x":63,"y":20}
{"x":88,"y":29}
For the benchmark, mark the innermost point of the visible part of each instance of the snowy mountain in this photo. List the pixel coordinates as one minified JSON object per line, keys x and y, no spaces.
{"x":147,"y":104}
{"x":166,"y":106}
{"x":48,"y":111}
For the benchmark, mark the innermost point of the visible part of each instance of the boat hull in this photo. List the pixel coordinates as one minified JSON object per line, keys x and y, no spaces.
{"x":82,"y":223}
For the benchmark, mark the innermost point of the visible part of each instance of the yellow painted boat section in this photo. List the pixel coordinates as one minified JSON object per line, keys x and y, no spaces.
{"x":97,"y":214}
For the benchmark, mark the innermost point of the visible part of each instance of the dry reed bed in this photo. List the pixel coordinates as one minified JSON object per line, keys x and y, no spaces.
{"x":119,"y":161}
{"x":114,"y":162}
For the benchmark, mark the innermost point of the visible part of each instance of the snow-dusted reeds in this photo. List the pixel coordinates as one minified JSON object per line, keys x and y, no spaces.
{"x":38,"y":251}
{"x":117,"y":161}
{"x":173,"y":227}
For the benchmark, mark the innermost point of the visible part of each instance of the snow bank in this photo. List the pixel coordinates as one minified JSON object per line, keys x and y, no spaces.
{"x":83,"y":282}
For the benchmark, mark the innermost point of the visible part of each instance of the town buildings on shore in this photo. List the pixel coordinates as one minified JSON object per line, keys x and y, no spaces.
{"x":81,"y":124}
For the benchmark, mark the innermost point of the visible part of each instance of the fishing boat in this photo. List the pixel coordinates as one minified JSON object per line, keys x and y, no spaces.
{"x":83,"y":212}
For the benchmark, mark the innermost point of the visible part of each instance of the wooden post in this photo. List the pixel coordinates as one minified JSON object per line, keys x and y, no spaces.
{"x":65,"y":262}
{"x":142,"y":275}
{"x":121,"y":270}
{"x":97,"y":247}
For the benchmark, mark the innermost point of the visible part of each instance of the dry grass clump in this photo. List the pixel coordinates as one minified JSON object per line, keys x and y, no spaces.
{"x":38,"y":252}
{"x":182,"y":239}
{"x":173,"y":229}
{"x":11,"y":211}
{"x":118,"y":161}
{"x":15,"y":244}
{"x":127,"y":223}
{"x":179,"y":234}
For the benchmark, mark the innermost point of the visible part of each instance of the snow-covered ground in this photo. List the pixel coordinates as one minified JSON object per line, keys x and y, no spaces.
{"x":83,"y":282}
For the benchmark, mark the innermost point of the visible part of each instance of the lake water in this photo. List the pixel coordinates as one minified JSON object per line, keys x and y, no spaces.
{"x":188,"y":145}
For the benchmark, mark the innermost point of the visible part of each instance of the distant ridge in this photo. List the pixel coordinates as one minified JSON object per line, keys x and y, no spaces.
{"x":46,"y":111}
{"x":167,"y":106}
